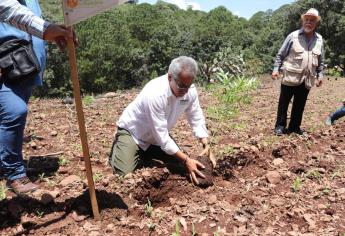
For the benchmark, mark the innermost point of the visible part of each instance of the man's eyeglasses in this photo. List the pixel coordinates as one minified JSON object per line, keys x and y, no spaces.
{"x":181,"y":86}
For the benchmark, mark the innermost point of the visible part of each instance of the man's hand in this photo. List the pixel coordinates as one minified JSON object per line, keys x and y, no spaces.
{"x":193,"y":169}
{"x":318,"y":83}
{"x":207,"y":151}
{"x":275,"y":75}
{"x":59,"y":34}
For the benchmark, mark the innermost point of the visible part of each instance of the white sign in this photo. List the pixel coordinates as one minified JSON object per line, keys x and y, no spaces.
{"x":79,"y":10}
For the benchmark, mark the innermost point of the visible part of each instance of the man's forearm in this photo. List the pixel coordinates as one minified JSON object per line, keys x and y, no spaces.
{"x":181,"y":156}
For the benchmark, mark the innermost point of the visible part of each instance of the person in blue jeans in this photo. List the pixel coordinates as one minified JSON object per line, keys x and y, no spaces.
{"x":22,"y":20}
{"x":336,"y":115}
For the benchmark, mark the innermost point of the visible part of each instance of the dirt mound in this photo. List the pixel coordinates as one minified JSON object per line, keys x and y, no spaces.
{"x":208,"y":172}
{"x":152,"y":186}
{"x":159,"y":185}
{"x":225,"y":166}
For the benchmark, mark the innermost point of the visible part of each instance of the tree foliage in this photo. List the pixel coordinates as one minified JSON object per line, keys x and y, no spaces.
{"x":131,"y":44}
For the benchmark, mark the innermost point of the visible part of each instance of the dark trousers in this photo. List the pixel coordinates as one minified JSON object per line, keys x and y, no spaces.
{"x":300,"y":95}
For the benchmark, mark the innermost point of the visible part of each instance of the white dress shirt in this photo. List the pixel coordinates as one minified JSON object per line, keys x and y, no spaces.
{"x":156,"y":110}
{"x":17,"y":15}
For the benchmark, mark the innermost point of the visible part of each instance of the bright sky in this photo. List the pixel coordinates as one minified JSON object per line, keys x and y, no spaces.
{"x":243,"y":8}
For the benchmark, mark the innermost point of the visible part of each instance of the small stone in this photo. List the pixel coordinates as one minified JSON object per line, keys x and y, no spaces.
{"x":277,"y":202}
{"x":310,"y":221}
{"x":183,"y":223}
{"x":110,"y":228}
{"x":212,"y":199}
{"x":62,"y":170}
{"x":67,"y":100}
{"x":33,"y":145}
{"x":340,"y":191}
{"x":109,"y":95}
{"x":273,"y":177}
{"x":77,"y":217}
{"x":172,"y":201}
{"x":53,"y":133}
{"x":212,"y":225}
{"x":278,"y":161}
{"x":146,"y":173}
{"x":69,"y":180}
{"x":321,"y":207}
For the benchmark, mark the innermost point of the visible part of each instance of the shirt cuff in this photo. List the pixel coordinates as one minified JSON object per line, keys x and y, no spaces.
{"x":38,"y":26}
{"x":276,"y":69}
{"x":170,"y":148}
{"x":200,"y":131}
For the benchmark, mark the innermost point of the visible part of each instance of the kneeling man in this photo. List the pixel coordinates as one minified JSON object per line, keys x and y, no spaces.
{"x":143,"y":128}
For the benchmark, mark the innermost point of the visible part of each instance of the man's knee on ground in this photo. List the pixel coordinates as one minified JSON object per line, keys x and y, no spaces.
{"x":121,"y":170}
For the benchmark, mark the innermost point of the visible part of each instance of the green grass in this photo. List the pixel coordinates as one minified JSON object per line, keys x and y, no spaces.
{"x":177,"y":229}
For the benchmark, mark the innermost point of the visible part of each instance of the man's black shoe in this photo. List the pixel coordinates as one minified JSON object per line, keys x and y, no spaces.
{"x":279,"y":131}
{"x":296,"y":131}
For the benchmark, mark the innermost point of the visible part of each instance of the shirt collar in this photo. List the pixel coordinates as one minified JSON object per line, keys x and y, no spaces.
{"x":169,"y":92}
{"x":301,"y":31}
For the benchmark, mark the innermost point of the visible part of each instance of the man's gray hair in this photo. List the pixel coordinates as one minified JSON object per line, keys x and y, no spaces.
{"x":185,"y":64}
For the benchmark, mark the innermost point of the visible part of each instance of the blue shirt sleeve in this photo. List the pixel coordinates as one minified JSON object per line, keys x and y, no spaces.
{"x":17,"y":15}
{"x":282,"y":53}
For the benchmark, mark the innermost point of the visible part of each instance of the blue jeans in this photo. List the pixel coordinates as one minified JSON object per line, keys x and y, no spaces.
{"x":338,"y":114}
{"x":13,"y":113}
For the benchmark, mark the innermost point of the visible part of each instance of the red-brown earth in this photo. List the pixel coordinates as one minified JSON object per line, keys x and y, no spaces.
{"x":263,"y":184}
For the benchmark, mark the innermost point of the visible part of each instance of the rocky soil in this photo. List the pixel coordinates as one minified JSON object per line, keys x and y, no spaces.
{"x":263,"y":184}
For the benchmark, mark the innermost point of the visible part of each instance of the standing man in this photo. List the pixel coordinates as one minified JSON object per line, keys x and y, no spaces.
{"x":143,"y":128}
{"x":301,"y":59}
{"x":14,"y":97}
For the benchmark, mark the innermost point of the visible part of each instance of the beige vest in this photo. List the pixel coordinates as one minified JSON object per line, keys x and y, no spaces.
{"x":301,"y":63}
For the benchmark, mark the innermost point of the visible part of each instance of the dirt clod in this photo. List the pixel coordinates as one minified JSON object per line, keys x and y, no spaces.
{"x":208,"y":171}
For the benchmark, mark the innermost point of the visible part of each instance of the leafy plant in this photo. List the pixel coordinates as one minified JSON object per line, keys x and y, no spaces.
{"x":50,"y":183}
{"x":232,"y":92}
{"x":326,"y":191}
{"x":314,"y":174}
{"x":151,"y":226}
{"x":148,"y":208}
{"x":41,"y":176}
{"x":88,"y":100}
{"x":40,"y":214}
{"x":97,"y":177}
{"x":3,"y":190}
{"x":63,"y":161}
{"x":296,"y":184}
